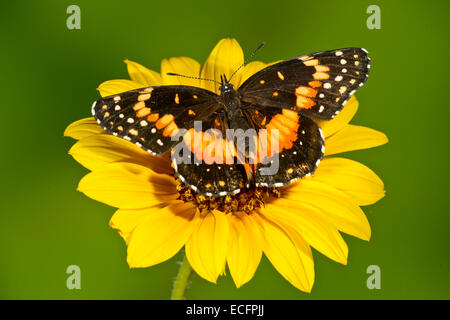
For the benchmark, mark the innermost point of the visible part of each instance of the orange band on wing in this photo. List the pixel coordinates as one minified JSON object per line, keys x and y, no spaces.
{"x":306,"y":91}
{"x":287,"y":124}
{"x":153,"y":117}
{"x":209,"y":148}
{"x":143,"y":112}
{"x":304,"y":102}
{"x":315,"y":84}
{"x":164,"y":121}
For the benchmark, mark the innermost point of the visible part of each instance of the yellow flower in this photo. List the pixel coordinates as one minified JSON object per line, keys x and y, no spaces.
{"x":156,"y":222}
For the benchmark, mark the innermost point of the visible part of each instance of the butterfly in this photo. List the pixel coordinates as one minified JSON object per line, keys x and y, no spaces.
{"x":274,"y":110}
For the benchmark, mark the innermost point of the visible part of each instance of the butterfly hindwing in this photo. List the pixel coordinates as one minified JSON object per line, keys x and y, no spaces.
{"x":210,"y":166}
{"x":296,"y":158}
{"x":149,"y":117}
{"x":317,"y":85}
{"x":215,"y":179}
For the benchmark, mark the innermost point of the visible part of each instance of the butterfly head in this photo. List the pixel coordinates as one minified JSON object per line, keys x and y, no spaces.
{"x":226,"y":87}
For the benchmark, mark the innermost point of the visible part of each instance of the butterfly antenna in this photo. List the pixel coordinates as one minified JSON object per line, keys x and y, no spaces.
{"x":248,"y":59}
{"x":198,"y":78}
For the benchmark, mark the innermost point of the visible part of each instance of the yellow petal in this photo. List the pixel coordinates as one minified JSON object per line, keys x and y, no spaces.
{"x":341,"y":120}
{"x":287,"y":252}
{"x":335,"y":206}
{"x":353,"y":137}
{"x":110,"y":87}
{"x":225,"y":58}
{"x":306,"y":220}
{"x":206,"y":249}
{"x":83,"y":128}
{"x":181,"y":65}
{"x":352,"y":177}
{"x":95,"y":151}
{"x":161,"y":234}
{"x":128,"y":186}
{"x":140,"y":74}
{"x":125,"y":221}
{"x":245,"y":251}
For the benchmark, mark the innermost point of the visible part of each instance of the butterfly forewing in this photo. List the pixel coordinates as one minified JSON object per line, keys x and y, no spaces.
{"x":150,"y":117}
{"x":316,"y":85}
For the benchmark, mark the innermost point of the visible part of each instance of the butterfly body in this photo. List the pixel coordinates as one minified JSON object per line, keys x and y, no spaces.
{"x":231,"y":106}
{"x":273,"y":112}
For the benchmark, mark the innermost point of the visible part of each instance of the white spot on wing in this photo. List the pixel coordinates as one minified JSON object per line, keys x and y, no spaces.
{"x":278,"y":184}
{"x":92,"y":109}
{"x":321,"y":134}
{"x":317,"y":163}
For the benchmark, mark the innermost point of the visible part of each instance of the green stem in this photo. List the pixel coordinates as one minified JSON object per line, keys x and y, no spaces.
{"x":181,"y":281}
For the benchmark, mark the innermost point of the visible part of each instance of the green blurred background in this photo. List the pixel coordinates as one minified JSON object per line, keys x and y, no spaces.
{"x":48,"y":80}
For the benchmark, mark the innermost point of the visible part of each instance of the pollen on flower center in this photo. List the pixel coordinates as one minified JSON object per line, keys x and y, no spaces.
{"x":246,"y":201}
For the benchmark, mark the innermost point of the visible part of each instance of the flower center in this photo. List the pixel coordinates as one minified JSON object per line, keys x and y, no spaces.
{"x":247,"y":200}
